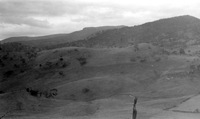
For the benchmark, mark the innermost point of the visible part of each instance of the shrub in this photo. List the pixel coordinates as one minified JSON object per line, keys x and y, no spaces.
{"x":46,"y":94}
{"x":136,"y":48}
{"x":2,"y":64}
{"x":23,"y":61}
{"x":1,"y":92}
{"x":40,"y":65}
{"x":181,"y":51}
{"x":73,"y":97}
{"x":85,"y":90}
{"x":48,"y":65}
{"x":34,"y":92}
{"x":28,"y":89}
{"x":82,"y":61}
{"x":65,"y":64}
{"x":8,"y":73}
{"x":53,"y":92}
{"x":16,"y":66}
{"x":19,"y":105}
{"x":61,"y":59}
{"x":143,"y":60}
{"x":133,"y":60}
{"x":61,"y":73}
{"x":22,"y":71}
{"x":157,"y":59}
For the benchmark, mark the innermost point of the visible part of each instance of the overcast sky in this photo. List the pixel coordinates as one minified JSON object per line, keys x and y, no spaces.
{"x":42,"y":17}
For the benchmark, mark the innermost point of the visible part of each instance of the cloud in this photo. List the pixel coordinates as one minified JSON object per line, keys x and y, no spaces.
{"x":24,"y":21}
{"x":33,"y":7}
{"x":41,"y":17}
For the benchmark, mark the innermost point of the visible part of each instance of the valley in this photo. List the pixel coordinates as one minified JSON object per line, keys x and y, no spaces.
{"x":99,"y":77}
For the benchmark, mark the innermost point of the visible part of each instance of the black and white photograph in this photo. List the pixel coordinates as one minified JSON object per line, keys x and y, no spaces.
{"x":99,"y":59}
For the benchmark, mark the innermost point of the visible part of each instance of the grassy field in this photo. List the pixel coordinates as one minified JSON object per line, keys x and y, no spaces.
{"x":102,"y":84}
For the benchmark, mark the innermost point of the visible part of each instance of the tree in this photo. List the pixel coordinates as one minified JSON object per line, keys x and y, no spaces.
{"x":182,"y":51}
{"x":136,"y":47}
{"x":82,"y":61}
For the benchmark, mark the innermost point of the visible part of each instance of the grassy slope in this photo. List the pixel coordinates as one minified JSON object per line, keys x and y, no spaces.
{"x":113,"y":79}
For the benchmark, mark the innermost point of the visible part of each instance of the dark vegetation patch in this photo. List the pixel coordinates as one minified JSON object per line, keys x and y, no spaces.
{"x":88,"y":94}
{"x":60,"y":63}
{"x":85,"y":90}
{"x":16,"y":58}
{"x":8,"y":73}
{"x":82,"y":61}
{"x":143,"y":60}
{"x":47,"y":94}
{"x":1,"y":92}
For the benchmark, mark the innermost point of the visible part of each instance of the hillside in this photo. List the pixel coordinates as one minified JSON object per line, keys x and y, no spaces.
{"x":54,"y":39}
{"x":97,"y":83}
{"x":171,"y":32}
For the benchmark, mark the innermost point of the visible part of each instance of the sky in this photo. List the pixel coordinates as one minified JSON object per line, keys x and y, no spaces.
{"x":44,"y":17}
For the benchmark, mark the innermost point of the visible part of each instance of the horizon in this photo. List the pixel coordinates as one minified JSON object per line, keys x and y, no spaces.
{"x":46,"y":17}
{"x":90,"y":27}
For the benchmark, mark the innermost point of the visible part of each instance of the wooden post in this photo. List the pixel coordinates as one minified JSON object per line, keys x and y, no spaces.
{"x":134,"y":114}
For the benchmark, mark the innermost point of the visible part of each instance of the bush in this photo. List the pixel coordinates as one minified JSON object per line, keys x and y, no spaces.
{"x":23,"y":61}
{"x":82,"y":61}
{"x":73,"y":97}
{"x":16,"y":66}
{"x":143,"y":60}
{"x":8,"y":73}
{"x":1,"y":92}
{"x":61,"y":59}
{"x":61,"y":73}
{"x":19,"y":105}
{"x":53,"y":92}
{"x":157,"y":59}
{"x":181,"y":51}
{"x":65,"y":64}
{"x":85,"y":90}
{"x":133,"y":60}
{"x":34,"y":92}
{"x":40,"y":65}
{"x":136,"y":48}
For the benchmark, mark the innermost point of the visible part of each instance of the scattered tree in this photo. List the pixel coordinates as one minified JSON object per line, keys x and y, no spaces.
{"x":182,"y":51}
{"x":8,"y":73}
{"x":85,"y":90}
{"x":1,"y":92}
{"x":82,"y":61}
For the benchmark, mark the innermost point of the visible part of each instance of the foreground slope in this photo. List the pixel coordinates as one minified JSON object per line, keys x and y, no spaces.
{"x":101,"y":83}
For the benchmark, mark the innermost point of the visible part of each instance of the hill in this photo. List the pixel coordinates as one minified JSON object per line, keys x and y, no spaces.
{"x":170,"y":32}
{"x":175,"y":32}
{"x":54,"y":39}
